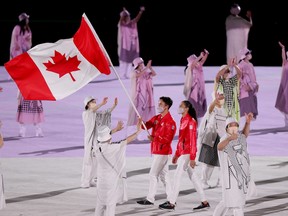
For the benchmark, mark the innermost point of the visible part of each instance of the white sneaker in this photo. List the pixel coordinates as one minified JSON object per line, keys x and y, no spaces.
{"x":205,"y":186}
{"x":22,"y":131}
{"x":39,"y":132}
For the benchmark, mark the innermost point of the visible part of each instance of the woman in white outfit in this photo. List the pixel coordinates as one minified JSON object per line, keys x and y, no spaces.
{"x":111,"y":161}
{"x":93,"y":118}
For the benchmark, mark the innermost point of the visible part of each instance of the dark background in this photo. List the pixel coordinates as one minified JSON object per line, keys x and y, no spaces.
{"x":169,"y":31}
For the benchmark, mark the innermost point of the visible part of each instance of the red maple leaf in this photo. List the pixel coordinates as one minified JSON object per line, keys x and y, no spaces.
{"x":63,"y":66}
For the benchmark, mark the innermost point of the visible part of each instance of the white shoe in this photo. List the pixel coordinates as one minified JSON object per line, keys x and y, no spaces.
{"x":39,"y":132}
{"x":22,"y":131}
{"x":205,"y":186}
{"x":93,"y":182}
{"x":218,"y":184}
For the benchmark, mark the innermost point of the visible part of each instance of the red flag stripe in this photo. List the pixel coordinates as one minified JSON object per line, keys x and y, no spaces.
{"x":87,"y":44}
{"x":28,"y":78}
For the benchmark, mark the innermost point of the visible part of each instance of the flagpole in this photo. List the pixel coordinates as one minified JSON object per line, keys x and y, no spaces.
{"x":123,"y":86}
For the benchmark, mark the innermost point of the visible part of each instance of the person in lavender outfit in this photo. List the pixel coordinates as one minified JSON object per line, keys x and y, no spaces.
{"x":128,"y":41}
{"x":282,"y":96}
{"x":248,"y":85}
{"x":142,"y":93}
{"x":194,"y":85}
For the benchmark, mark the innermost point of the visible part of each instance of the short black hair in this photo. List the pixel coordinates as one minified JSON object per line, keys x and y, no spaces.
{"x":167,"y":100}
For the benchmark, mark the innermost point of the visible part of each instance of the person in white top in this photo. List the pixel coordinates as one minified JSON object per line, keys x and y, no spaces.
{"x":2,"y":197}
{"x":92,"y":119}
{"x":111,"y":161}
{"x":237,"y":183}
{"x":214,"y":121}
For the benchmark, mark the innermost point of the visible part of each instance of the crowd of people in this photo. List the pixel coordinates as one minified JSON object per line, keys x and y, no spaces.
{"x":209,"y":134}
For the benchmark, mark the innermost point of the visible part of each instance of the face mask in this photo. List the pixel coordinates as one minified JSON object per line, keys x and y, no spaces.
{"x":92,"y":105}
{"x":232,"y":130}
{"x":160,"y":109}
{"x":180,"y":110}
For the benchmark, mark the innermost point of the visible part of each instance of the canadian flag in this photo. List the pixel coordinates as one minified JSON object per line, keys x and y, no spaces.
{"x":53,"y":71}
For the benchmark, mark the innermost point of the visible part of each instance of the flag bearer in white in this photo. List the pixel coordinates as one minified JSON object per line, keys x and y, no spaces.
{"x":111,"y":182}
{"x":92,"y":119}
{"x":2,"y":197}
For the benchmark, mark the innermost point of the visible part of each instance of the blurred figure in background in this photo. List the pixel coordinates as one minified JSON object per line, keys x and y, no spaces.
{"x":194,"y":85}
{"x":237,"y":31}
{"x":128,"y":41}
{"x":282,"y":96}
{"x":29,"y":111}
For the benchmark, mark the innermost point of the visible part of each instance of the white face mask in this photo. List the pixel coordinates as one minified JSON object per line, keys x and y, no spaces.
{"x":160,"y":109}
{"x":180,"y":110}
{"x":92,"y":105}
{"x":232,"y":130}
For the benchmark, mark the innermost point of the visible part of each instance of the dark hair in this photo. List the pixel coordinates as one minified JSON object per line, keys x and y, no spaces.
{"x":86,"y":107}
{"x":191,"y":110}
{"x":167,"y":100}
{"x":23,"y":26}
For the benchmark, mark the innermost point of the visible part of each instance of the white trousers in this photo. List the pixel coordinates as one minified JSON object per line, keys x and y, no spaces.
{"x":183,"y":165}
{"x":159,"y":170}
{"x":206,"y":172}
{"x":2,"y":197}
{"x":125,"y":69}
{"x":105,"y":210}
{"x":221,"y":210}
{"x":89,"y":167}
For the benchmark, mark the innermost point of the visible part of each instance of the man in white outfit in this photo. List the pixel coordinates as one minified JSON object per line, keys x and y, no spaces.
{"x":111,"y":161}
{"x":92,"y":119}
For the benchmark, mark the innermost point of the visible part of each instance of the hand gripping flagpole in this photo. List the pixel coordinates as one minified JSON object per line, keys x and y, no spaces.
{"x":125,"y":90}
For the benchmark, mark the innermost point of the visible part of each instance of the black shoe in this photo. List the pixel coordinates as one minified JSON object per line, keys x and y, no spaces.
{"x":145,"y":202}
{"x":202,"y":206}
{"x":167,"y":206}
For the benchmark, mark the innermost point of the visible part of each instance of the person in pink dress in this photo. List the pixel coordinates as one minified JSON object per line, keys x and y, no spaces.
{"x":248,"y":85}
{"x":128,"y":41}
{"x":194,"y":85}
{"x":142,"y":92}
{"x":29,"y":111}
{"x":282,"y":95}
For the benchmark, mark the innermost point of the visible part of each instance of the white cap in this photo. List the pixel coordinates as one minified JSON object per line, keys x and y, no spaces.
{"x":88,"y":99}
{"x":104,"y":133}
{"x":23,"y":16}
{"x":137,"y":61}
{"x":230,"y":120}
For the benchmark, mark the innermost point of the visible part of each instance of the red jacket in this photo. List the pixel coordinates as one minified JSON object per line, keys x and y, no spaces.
{"x":163,"y":132}
{"x":187,"y":142}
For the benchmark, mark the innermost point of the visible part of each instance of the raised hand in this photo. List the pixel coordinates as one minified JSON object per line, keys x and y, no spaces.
{"x":105,"y":100}
{"x":249,"y":117}
{"x":281,"y":45}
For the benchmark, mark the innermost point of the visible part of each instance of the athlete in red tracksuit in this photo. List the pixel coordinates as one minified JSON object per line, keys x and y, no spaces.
{"x":163,"y":131}
{"x":185,"y":156}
